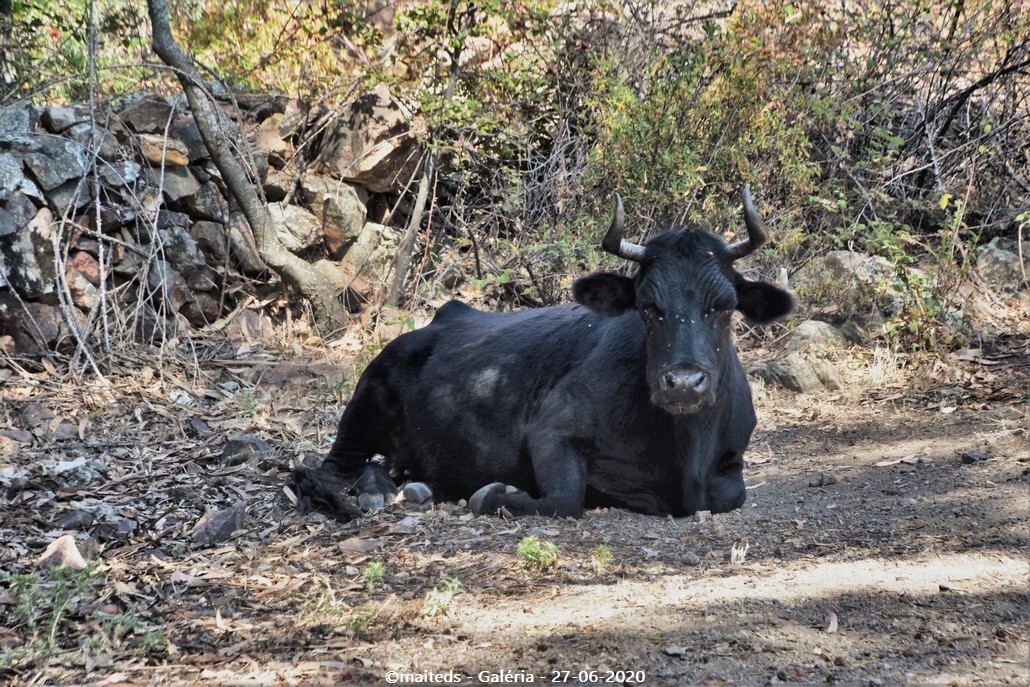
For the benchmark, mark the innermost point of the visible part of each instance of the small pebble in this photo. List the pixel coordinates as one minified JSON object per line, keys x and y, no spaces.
{"x":970,"y":457}
{"x":75,"y":520}
{"x":907,"y":501}
{"x":416,"y":492}
{"x":822,"y":480}
{"x":691,"y":558}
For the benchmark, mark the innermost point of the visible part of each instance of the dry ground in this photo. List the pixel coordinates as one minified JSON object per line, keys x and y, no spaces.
{"x":868,"y":553}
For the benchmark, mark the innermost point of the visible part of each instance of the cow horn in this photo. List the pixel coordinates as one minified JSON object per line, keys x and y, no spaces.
{"x":757,"y":235}
{"x":612,"y":241}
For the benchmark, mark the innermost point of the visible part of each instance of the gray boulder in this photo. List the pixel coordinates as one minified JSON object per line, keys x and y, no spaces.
{"x":815,"y":336}
{"x":18,"y":119}
{"x":28,"y":256}
{"x":371,"y":255}
{"x":339,"y":209}
{"x":297,"y":228}
{"x":54,"y":161}
{"x":373,"y":144}
{"x":801,"y":372}
{"x":16,"y":214}
{"x":146,"y":114}
{"x":1002,"y":268}
{"x":11,"y":176}
{"x":846,"y":284}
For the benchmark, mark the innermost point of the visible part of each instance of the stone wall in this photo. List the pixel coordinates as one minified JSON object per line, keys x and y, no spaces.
{"x":120,"y":214}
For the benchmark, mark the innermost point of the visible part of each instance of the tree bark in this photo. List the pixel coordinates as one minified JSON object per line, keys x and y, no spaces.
{"x":7,"y":75}
{"x":315,"y":282}
{"x":406,"y":246}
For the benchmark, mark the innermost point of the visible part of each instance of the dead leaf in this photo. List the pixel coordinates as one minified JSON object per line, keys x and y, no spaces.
{"x":358,"y":545}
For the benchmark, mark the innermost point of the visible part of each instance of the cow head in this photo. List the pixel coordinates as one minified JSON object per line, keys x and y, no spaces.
{"x":686,"y":291}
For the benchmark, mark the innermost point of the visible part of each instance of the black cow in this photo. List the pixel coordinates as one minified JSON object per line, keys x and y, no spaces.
{"x":633,"y":397}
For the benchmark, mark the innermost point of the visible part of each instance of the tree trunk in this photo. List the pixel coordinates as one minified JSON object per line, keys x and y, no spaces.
{"x":7,"y":75}
{"x":313,"y":282}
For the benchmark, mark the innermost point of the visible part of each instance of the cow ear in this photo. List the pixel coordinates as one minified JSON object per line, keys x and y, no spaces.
{"x":605,"y":293}
{"x":762,"y":303}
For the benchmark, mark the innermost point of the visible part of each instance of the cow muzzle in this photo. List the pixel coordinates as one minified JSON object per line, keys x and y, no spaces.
{"x":683,"y":390}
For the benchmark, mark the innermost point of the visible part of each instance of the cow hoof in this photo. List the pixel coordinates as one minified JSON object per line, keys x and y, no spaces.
{"x":478,"y":505}
{"x":370,"y":502}
{"x":416,"y":492}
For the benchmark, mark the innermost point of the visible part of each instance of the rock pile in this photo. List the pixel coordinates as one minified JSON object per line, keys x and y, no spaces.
{"x":123,"y":207}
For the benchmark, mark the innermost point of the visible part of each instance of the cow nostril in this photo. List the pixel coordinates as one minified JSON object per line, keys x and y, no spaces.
{"x":699,"y":381}
{"x":669,"y":379}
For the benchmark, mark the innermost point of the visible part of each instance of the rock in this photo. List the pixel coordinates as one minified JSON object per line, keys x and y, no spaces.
{"x":68,"y":197}
{"x":54,"y":161}
{"x":800,"y":372}
{"x":75,"y":520}
{"x":260,"y":107}
{"x":674,"y":650}
{"x":146,"y":114}
{"x":277,"y":186}
{"x":416,"y":492}
{"x":815,"y":336}
{"x":160,"y":151}
{"x":202,"y":309}
{"x":16,"y":215}
{"x":119,"y":173}
{"x":849,"y":285}
{"x":373,"y":144}
{"x":1000,"y":266}
{"x":970,"y":457}
{"x":908,"y":501}
{"x":210,"y":238}
{"x":184,"y":129}
{"x":11,"y":176}
{"x":217,"y":526}
{"x":12,"y":477}
{"x":104,"y":140}
{"x":203,"y":279}
{"x":297,"y":228}
{"x":165,"y":280}
{"x":692,"y":559}
{"x":19,"y":435}
{"x":371,"y":255}
{"x":28,"y":257}
{"x":19,"y":118}
{"x":338,"y":209}
{"x":76,"y":472}
{"x":65,"y":431}
{"x":176,"y":182}
{"x":86,"y":265}
{"x":241,"y":448}
{"x":57,"y":118}
{"x":84,"y":295}
{"x":270,"y":138}
{"x":170,"y":218}
{"x":242,"y":246}
{"x":34,"y":327}
{"x":181,"y":250}
{"x":822,"y":480}
{"x":206,"y":204}
{"x":63,"y":552}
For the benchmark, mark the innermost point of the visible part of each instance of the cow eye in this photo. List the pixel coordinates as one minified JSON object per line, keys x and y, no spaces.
{"x":714,"y":310}
{"x":653,"y":312}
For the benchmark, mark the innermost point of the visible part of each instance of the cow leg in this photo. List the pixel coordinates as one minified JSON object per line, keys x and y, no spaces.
{"x":362,"y":434}
{"x":560,"y":474}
